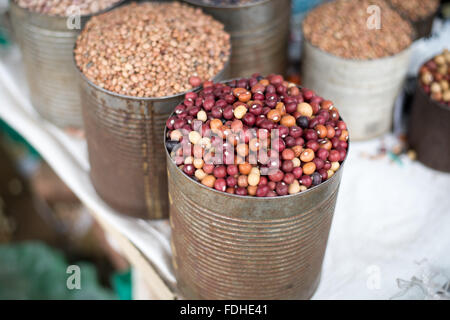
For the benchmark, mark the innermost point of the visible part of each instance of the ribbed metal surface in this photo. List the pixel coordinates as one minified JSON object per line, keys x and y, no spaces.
{"x":47,"y":44}
{"x":364,"y":90}
{"x":429,"y":131}
{"x":125,"y":138}
{"x":230,"y":247}
{"x":259,"y":35}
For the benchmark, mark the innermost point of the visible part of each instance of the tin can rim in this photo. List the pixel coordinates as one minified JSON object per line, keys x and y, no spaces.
{"x":226,"y":6}
{"x":62,"y":18}
{"x":230,"y":195}
{"x":122,"y":96}
{"x":361,"y":61}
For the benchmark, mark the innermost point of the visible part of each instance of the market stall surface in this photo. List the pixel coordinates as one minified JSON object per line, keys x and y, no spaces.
{"x":392,"y":214}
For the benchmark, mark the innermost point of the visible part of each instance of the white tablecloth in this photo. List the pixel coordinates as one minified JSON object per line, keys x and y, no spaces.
{"x":388,"y":216}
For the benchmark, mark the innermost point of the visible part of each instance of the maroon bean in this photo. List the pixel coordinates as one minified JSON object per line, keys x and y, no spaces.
{"x":228,"y":112}
{"x":291,"y":107}
{"x":278,"y":145}
{"x":297,"y":172}
{"x":306,"y":181}
{"x":231,"y":181}
{"x":289,"y":141}
{"x":313,"y":144}
{"x":334,"y":156}
{"x":241,"y":191}
{"x":295,"y":131}
{"x":249,"y":119}
{"x":189,"y":169}
{"x":319,"y":163}
{"x":272,"y":185}
{"x":277,"y":176}
{"x":220,"y":172}
{"x":289,"y":178}
{"x":220,"y":185}
{"x":282,"y":189}
{"x":310,"y":134}
{"x":287,"y":166}
{"x":322,"y":154}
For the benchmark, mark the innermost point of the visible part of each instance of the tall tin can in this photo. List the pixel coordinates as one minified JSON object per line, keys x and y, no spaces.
{"x":239,"y":247}
{"x":47,"y":43}
{"x":364,"y":90}
{"x":259,"y":34}
{"x":429,"y":131}
{"x":125,"y":138}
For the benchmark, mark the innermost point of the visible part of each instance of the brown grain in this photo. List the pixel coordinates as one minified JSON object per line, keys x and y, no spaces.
{"x":151,"y":49}
{"x":340,"y":28}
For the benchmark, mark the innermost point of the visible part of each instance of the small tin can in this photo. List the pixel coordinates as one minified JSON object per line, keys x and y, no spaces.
{"x":226,"y":246}
{"x":364,"y":90}
{"x":47,"y":43}
{"x":259,"y":34}
{"x":126,"y":148}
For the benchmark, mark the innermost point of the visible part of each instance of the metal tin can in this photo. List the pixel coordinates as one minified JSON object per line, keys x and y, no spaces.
{"x":259,"y":34}
{"x":239,"y":247}
{"x":47,"y":44}
{"x":125,"y":138}
{"x":364,"y":90}
{"x":429,"y":131}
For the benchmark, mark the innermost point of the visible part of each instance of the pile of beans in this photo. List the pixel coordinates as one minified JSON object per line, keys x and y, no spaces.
{"x":340,"y":28}
{"x":260,"y":137}
{"x":60,"y":7}
{"x":435,"y":77}
{"x":415,"y":10}
{"x":152,"y":49}
{"x":224,"y":2}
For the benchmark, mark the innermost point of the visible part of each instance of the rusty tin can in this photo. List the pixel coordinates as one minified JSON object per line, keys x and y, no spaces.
{"x":364,"y":90}
{"x":429,"y":131}
{"x":226,"y":246}
{"x":47,"y":43}
{"x":259,"y":34}
{"x":126,"y":148}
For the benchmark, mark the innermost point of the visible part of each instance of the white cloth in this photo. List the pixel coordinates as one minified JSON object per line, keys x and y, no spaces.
{"x":387,"y":218}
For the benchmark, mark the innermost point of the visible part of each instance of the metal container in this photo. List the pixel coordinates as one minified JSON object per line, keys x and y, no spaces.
{"x":234,"y":247}
{"x":47,"y":44}
{"x":125,"y":138}
{"x":259,"y":35}
{"x":423,"y":27}
{"x":364,"y":90}
{"x":429,"y":131}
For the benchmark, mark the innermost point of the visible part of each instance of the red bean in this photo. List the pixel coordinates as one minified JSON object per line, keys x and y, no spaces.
{"x":220,"y":185}
{"x":334,"y":156}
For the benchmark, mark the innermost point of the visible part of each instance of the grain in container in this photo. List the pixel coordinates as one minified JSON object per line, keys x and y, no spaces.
{"x":362,"y":70}
{"x":429,"y":125}
{"x":126,"y":105}
{"x":259,"y":32}
{"x":47,"y":42}
{"x":239,"y":232}
{"x":420,"y":13}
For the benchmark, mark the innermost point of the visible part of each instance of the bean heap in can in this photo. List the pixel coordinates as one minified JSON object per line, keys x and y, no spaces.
{"x":261,"y":137}
{"x":415,"y":10}
{"x":435,"y":77}
{"x":344,"y":28}
{"x":152,"y":49}
{"x":65,"y":7}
